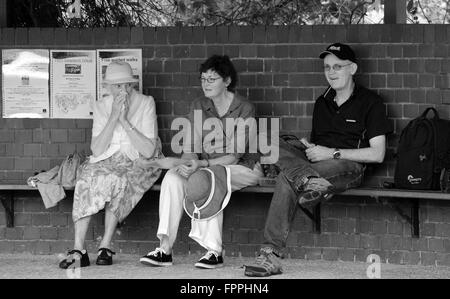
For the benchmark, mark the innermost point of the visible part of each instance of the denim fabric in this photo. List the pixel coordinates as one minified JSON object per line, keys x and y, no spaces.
{"x":343,"y":174}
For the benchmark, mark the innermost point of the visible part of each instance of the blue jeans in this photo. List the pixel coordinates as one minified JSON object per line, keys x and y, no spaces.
{"x":295,"y":168}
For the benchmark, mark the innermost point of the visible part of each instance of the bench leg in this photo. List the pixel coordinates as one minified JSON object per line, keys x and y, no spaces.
{"x":314,"y":215}
{"x":415,"y":221}
{"x":7,"y":200}
{"x":412,"y":218}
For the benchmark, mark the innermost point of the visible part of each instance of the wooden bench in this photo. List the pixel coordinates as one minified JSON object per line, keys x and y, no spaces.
{"x":7,"y":193}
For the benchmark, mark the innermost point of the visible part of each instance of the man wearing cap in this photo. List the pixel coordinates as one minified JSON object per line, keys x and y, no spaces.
{"x":349,"y":128}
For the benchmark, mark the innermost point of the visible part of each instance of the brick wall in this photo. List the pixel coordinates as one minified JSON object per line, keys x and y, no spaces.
{"x":279,"y":72}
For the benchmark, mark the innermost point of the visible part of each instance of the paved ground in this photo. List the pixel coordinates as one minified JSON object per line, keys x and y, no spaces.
{"x":127,"y":266}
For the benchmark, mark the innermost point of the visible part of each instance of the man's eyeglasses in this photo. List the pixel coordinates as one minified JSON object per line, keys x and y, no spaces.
{"x":209,"y":80}
{"x":335,"y":67}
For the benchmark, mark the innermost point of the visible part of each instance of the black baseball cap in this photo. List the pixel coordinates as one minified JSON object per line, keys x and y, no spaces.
{"x":342,"y":51}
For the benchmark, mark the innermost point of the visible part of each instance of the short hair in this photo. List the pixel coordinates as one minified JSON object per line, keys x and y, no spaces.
{"x":223,"y":66}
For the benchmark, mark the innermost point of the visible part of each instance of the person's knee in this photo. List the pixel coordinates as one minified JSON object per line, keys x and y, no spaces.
{"x":172,"y":178}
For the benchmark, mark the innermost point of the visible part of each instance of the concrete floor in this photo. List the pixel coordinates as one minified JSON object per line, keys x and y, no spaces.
{"x":20,"y":266}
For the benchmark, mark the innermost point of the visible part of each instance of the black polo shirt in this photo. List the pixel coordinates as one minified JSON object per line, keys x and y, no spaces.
{"x":360,"y":118}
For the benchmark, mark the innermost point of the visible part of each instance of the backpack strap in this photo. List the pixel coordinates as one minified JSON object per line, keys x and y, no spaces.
{"x":436,"y":114}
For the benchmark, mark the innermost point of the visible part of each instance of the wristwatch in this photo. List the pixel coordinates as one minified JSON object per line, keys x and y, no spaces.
{"x":336,"y":154}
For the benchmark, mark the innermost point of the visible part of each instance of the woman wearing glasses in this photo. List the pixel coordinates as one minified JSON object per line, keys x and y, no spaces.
{"x":219,"y":105}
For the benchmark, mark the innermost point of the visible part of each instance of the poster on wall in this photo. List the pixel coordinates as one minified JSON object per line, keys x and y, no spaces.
{"x":106,"y":56}
{"x":25,"y":79}
{"x":72,"y":83}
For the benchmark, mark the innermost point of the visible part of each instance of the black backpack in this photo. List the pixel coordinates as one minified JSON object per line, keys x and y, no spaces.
{"x":423,"y":154}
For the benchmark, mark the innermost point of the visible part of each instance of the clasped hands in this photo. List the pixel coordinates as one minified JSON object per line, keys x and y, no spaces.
{"x":120,"y":108}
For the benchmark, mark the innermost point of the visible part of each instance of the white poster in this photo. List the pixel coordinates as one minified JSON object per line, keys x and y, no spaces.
{"x":72,"y":83}
{"x":106,"y":56}
{"x":25,"y":76}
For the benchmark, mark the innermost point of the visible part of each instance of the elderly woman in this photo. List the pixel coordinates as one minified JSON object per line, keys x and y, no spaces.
{"x":124,"y":133}
{"x":218,"y":78}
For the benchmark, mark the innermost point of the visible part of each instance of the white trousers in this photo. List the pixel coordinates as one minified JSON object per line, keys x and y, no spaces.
{"x":207,"y":233}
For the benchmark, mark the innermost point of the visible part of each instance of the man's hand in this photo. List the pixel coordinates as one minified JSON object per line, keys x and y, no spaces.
{"x":188,"y":168}
{"x":319,"y":153}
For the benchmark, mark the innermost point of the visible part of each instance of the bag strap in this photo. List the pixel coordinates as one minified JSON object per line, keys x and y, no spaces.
{"x":436,"y":114}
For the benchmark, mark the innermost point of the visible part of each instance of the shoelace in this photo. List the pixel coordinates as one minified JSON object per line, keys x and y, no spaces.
{"x":156,"y":251}
{"x":314,"y":184}
{"x":71,"y":253}
{"x":264,"y":260}
{"x":208,"y":255}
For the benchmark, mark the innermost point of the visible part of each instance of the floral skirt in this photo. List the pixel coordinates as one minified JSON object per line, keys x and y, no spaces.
{"x":116,"y":184}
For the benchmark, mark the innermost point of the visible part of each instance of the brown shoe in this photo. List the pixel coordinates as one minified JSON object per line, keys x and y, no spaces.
{"x":314,"y":191}
{"x":267,"y":264}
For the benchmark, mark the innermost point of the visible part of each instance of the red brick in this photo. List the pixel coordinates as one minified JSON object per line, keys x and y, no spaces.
{"x":43,"y":247}
{"x":174,"y":35}
{"x":22,"y":219}
{"x":137,"y":35}
{"x":73,"y":36}
{"x":255,"y":65}
{"x":346,"y":255}
{"x":7,"y":36}
{"x":31,"y":233}
{"x":394,"y":51}
{"x":33,"y":150}
{"x":41,"y":219}
{"x":163,"y":52}
{"x":21,"y":36}
{"x":214,"y":50}
{"x":433,"y":66}
{"x":410,"y":80}
{"x":155,"y":66}
{"x":281,"y":51}
{"x":23,"y":136}
{"x":66,"y":149}
{"x":211,"y":34}
{"x":395,"y":228}
{"x":428,"y":258}
{"x":330,"y":254}
{"x":222,"y":34}
{"x":180,"y":52}
{"x":197,"y":51}
{"x":433,"y":96}
{"x":6,"y":246}
{"x":23,"y":163}
{"x":49,"y":233}
{"x":25,"y":246}
{"x":313,"y":253}
{"x":41,"y":164}
{"x":372,"y":242}
{"x":401,"y":66}
{"x":190,"y":66}
{"x":14,"y":233}
{"x":7,"y":163}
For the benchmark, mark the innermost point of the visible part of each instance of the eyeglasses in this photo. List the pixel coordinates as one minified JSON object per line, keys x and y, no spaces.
{"x":335,"y":67}
{"x":209,"y":80}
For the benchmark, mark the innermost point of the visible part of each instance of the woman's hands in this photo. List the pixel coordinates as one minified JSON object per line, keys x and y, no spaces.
{"x":188,"y":168}
{"x":120,"y":103}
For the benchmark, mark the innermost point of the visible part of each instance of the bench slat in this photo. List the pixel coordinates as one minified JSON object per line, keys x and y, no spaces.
{"x":372,"y":192}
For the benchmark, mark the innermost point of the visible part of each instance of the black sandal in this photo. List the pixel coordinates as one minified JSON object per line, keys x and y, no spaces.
{"x":73,"y":256}
{"x":105,"y":257}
